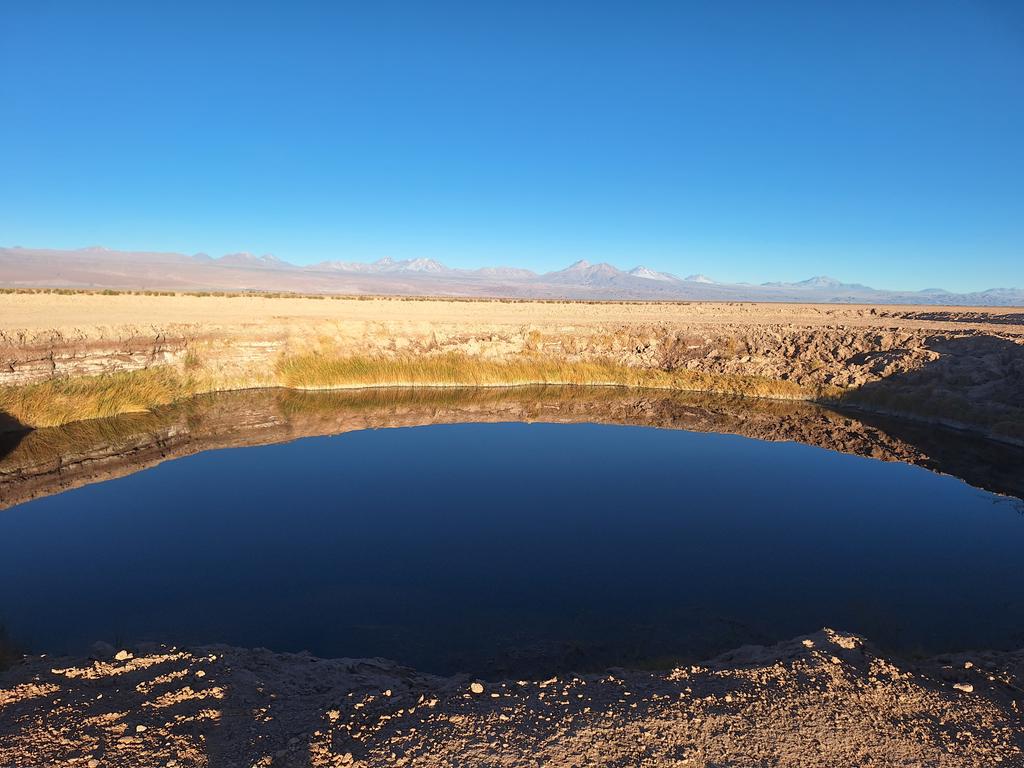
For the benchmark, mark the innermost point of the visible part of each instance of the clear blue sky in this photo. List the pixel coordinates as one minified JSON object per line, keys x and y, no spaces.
{"x":876,"y":142}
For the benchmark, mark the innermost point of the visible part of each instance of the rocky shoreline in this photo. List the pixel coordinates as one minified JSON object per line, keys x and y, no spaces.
{"x":963,"y":367}
{"x":829,"y":698}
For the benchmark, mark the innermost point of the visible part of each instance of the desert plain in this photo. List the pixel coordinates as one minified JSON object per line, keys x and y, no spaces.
{"x":830,"y":698}
{"x":959,"y":366}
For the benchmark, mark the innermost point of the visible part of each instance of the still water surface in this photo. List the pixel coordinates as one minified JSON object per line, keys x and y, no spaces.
{"x":516,"y":548}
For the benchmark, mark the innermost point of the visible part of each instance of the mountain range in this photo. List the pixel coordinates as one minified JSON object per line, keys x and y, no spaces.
{"x":98,"y":267}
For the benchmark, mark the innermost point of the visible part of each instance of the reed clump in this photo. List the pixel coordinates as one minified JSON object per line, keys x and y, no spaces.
{"x":323,"y":371}
{"x":63,"y":400}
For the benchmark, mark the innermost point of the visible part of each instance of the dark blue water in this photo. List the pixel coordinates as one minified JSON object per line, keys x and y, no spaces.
{"x":512,"y":547}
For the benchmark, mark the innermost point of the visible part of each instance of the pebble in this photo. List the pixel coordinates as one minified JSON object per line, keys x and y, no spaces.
{"x":476,"y":688}
{"x":93,"y":763}
{"x":965,"y":687}
{"x":140,"y":729}
{"x":122,"y":656}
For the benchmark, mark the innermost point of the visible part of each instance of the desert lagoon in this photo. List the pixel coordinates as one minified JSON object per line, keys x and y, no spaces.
{"x":509,"y":532}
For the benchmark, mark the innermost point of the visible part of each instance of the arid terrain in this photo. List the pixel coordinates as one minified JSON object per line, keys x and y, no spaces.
{"x":963,"y":367}
{"x":883,"y":377}
{"x":822,"y":700}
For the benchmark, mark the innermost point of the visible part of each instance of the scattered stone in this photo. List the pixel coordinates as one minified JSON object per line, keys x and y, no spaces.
{"x":664,"y":718}
{"x":122,"y":656}
{"x":140,"y":729}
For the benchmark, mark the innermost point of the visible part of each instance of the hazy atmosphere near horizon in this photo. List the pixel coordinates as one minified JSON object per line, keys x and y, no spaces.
{"x":429,"y":384}
{"x":877,"y":143}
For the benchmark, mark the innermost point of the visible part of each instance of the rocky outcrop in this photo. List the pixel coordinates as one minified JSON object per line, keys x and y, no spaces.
{"x":31,"y":358}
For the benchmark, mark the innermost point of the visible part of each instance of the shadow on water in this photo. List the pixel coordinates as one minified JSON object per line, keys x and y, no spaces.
{"x":47,"y":461}
{"x":975,"y":381}
{"x":12,"y":432}
{"x":9,"y":651}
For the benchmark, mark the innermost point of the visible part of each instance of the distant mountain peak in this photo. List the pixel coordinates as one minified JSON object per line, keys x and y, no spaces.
{"x":650,"y":274}
{"x":104,"y":268}
{"x":245,"y":259}
{"x":423,"y":265}
{"x":582,"y":272}
{"x":382,"y":266}
{"x":821,"y":281}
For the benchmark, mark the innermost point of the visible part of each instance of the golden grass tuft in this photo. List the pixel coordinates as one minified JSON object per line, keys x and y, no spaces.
{"x":318,"y":371}
{"x":63,"y":400}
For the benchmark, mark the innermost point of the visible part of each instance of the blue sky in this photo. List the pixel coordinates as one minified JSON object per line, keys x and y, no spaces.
{"x":876,"y":142}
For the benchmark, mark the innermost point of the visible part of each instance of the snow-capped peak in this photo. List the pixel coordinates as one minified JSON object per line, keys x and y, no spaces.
{"x":650,"y":274}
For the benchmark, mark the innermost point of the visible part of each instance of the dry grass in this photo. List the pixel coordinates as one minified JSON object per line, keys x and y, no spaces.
{"x":63,"y":400}
{"x":43,"y":445}
{"x":318,"y":371}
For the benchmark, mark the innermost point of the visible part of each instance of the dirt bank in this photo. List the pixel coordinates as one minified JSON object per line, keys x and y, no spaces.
{"x":825,"y":699}
{"x":962,"y":366}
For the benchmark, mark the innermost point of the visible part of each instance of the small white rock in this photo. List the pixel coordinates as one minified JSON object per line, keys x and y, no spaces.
{"x":965,"y":687}
{"x":122,"y":656}
{"x":476,"y":688}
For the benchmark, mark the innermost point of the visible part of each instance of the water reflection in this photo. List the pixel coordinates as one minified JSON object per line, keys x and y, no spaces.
{"x":523,"y":532}
{"x":48,"y":461}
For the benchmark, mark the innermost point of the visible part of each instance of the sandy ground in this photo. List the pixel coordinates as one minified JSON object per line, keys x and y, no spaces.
{"x":68,"y":314}
{"x":823,"y":700}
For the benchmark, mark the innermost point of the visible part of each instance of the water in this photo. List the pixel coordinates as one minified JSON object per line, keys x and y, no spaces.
{"x":516,"y":548}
